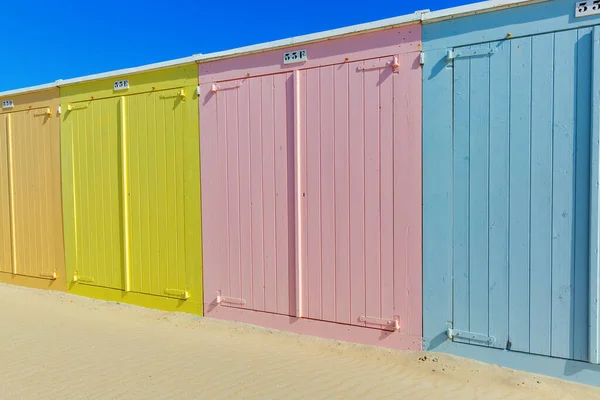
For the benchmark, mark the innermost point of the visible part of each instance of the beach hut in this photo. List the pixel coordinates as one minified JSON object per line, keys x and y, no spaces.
{"x":131,"y":186}
{"x":511,"y":100}
{"x":31,"y":234}
{"x":311,"y":177}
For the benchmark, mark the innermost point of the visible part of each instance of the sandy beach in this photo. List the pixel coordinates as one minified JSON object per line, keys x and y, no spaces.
{"x":60,"y":346}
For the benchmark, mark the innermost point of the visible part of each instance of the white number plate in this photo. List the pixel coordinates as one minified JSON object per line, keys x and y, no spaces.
{"x":296,"y":56}
{"x":587,"y":8}
{"x":122,"y":85}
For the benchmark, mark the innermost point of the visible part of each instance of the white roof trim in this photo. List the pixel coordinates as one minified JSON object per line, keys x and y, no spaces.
{"x":126,"y":71}
{"x":95,"y":77}
{"x":314,"y":37}
{"x":475,"y":8}
{"x":16,"y":92}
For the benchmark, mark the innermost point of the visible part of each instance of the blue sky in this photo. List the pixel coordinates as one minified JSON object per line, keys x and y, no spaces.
{"x":44,"y":41}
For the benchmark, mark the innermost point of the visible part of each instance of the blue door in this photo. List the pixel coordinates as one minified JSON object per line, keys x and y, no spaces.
{"x":521,"y":201}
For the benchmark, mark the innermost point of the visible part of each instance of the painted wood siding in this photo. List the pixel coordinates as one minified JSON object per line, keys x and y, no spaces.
{"x":521,"y":192}
{"x":361,"y":183}
{"x":31,"y":219}
{"x":131,"y":178}
{"x":248,"y":192}
{"x":360,"y":235}
{"x":92,"y":129}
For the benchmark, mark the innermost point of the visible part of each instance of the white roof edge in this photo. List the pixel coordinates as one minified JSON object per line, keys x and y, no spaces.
{"x":126,"y":71}
{"x":475,"y":8}
{"x":29,"y":89}
{"x":103,"y":75}
{"x":314,"y":37}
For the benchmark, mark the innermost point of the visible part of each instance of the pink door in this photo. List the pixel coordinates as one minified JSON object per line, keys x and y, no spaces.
{"x":248,"y":193}
{"x":357,"y":228}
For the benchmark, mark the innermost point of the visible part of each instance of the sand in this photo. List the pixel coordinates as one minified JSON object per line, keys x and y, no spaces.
{"x":60,"y":346}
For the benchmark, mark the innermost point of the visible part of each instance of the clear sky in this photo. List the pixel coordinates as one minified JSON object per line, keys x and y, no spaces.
{"x":43,"y":41}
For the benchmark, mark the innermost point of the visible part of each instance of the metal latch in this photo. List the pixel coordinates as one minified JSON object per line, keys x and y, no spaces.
{"x":392,"y":323}
{"x":230,"y":300}
{"x":478,"y":337}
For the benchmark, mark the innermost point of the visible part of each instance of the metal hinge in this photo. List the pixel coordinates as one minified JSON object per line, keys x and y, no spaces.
{"x":422,"y":58}
{"x":478,"y":337}
{"x":230,"y":300}
{"x":393,"y":323}
{"x":451,"y":54}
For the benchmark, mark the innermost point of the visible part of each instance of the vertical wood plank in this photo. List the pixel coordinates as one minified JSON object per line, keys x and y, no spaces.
{"x":245,"y":155}
{"x":563,"y":201}
{"x":372,"y":138}
{"x":327,"y":188}
{"x":386,"y":189}
{"x":594,"y":266}
{"x":479,"y":150}
{"x":357,"y":186}
{"x":284,"y":172}
{"x":462,"y":105}
{"x":583,"y":49}
{"x":342,"y":194}
{"x":520,"y":189}
{"x":499,"y":192}
{"x":268,"y":174}
{"x":233,"y":192}
{"x":542,"y":91}
{"x":313,"y":193}
{"x":256,"y":187}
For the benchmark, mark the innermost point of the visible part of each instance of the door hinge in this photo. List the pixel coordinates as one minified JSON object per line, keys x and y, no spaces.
{"x":394,"y":63}
{"x":451,"y":54}
{"x":83,"y":279}
{"x":422,"y":58}
{"x":180,"y":294}
{"x":49,"y":275}
{"x":478,"y":337}
{"x":229,"y":300}
{"x":393,"y":323}
{"x":215,"y":87}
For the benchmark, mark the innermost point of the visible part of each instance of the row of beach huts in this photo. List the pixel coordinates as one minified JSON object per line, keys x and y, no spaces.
{"x":425,"y":182}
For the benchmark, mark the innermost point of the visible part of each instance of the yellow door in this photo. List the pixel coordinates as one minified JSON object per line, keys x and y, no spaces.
{"x":94,"y":128}
{"x":157,"y":126}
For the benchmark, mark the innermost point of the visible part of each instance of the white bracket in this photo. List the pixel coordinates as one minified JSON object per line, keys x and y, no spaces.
{"x":478,"y":337}
{"x":224,"y":86}
{"x":230,"y":300}
{"x":392,"y":323}
{"x":49,"y":275}
{"x":451,"y":54}
{"x":394,"y":63}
